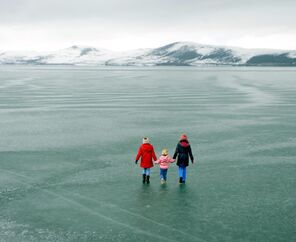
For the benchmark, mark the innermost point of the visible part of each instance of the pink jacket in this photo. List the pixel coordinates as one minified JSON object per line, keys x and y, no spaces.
{"x":164,"y":161}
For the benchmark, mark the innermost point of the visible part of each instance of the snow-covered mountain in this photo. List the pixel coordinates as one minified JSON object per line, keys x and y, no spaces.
{"x":73,"y":55}
{"x":178,"y":53}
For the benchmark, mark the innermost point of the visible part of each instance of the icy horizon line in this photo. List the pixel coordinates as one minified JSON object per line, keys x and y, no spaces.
{"x":192,"y":43}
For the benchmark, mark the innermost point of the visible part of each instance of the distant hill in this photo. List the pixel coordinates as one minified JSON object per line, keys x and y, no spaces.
{"x":174,"y":54}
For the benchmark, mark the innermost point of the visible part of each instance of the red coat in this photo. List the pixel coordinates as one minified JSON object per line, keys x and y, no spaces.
{"x":146,"y":152}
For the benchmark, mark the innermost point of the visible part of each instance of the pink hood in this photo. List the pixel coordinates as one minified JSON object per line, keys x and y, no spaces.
{"x":184,"y":143}
{"x":164,"y":161}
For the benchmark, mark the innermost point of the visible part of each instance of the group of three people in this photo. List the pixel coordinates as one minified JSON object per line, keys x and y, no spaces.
{"x":182,"y":153}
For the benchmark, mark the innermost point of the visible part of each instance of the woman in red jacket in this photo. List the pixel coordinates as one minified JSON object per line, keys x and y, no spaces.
{"x":146,"y":152}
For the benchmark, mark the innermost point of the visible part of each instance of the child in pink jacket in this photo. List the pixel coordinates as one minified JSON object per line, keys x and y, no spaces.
{"x":164,"y":163}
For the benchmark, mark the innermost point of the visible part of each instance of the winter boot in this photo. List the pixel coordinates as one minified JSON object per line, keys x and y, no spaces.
{"x":148,"y":181}
{"x":144,"y":178}
{"x":181,"y":180}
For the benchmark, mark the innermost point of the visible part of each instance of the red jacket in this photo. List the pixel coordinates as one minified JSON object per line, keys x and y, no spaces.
{"x":146,"y":151}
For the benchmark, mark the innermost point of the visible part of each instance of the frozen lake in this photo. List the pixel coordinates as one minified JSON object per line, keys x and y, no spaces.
{"x":69,"y":137}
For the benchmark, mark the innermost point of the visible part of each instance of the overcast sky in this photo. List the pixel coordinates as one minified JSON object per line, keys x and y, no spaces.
{"x":128,"y":24}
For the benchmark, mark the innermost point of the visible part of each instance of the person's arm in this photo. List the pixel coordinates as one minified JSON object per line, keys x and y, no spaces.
{"x":171,"y":160}
{"x":153,"y":155}
{"x":176,"y":153}
{"x":190,"y":154}
{"x":138,"y":155}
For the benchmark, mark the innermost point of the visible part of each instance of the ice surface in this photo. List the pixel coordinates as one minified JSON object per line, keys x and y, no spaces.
{"x":69,"y":136}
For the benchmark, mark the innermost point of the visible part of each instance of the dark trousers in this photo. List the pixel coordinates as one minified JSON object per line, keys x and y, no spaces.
{"x":163,"y":173}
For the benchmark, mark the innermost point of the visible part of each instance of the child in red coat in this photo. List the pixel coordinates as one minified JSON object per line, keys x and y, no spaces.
{"x":146,"y":152}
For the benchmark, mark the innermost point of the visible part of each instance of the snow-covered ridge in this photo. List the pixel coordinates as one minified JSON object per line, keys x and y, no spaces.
{"x":178,"y":53}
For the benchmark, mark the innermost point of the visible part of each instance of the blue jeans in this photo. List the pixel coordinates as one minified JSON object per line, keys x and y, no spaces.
{"x":182,"y":172}
{"x":146,"y":171}
{"x":163,"y":173}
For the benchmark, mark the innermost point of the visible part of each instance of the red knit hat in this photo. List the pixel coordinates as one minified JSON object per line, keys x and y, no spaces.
{"x":183,"y":137}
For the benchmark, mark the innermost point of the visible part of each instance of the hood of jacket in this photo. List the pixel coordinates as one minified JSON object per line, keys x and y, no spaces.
{"x":147,"y":147}
{"x":165,"y":158}
{"x":184,"y":143}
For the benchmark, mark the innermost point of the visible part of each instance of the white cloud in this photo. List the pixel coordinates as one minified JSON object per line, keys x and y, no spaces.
{"x":129,"y":24}
{"x":274,"y":41}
